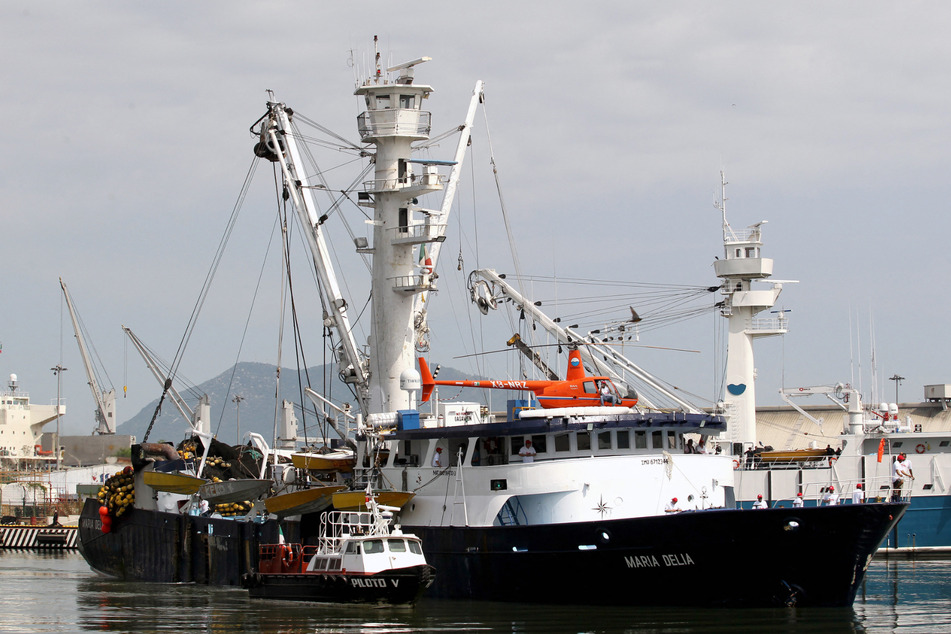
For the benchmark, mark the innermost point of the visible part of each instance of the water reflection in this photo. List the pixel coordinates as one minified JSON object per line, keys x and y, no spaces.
{"x":58,"y":593}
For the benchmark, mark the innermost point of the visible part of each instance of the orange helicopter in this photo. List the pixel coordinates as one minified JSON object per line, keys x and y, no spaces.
{"x":576,"y":390}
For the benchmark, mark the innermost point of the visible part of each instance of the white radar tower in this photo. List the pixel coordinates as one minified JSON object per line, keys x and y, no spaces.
{"x":743,"y":263}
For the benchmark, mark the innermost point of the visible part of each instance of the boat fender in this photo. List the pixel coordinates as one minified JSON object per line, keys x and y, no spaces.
{"x":736,"y":463}
{"x":920,"y":448}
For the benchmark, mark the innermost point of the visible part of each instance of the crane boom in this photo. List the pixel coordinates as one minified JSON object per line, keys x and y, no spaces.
{"x":105,"y":412}
{"x":197,"y":420}
{"x":276,"y":132}
{"x":592,"y":348}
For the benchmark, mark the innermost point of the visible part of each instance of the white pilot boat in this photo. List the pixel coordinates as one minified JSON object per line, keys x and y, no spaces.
{"x":360,"y":557}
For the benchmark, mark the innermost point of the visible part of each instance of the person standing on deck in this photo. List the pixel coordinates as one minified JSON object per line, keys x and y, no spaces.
{"x":898,"y":476}
{"x":527,"y":452}
{"x":831,"y":498}
{"x":858,"y":495}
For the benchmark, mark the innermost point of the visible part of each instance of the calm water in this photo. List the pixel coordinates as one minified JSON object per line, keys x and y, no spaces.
{"x":58,"y":593}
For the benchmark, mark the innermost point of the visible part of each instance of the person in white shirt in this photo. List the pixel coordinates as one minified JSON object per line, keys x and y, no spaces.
{"x":830,"y":498}
{"x":899,"y":472}
{"x":527,"y":452}
{"x":760,"y":503}
{"x":437,"y":458}
{"x":906,"y":470}
{"x":858,"y":495}
{"x":672,"y":506}
{"x":797,"y":501}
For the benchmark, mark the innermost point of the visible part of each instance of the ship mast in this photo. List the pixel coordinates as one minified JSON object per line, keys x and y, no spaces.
{"x":742,"y":265}
{"x":394,"y":119}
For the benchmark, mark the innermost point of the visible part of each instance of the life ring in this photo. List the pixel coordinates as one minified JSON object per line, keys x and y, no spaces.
{"x":736,"y":463}
{"x":920,"y":448}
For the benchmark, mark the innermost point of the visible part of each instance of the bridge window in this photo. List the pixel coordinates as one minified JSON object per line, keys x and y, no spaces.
{"x":584,"y":441}
{"x":490,"y":452}
{"x":623,"y":439}
{"x":640,"y":440}
{"x":604,"y":440}
{"x":539,"y":442}
{"x":562,"y":442}
{"x":407,"y":101}
{"x":657,"y":440}
{"x":671,"y":440}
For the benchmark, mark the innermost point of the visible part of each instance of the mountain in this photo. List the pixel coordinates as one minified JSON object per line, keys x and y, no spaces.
{"x":255,"y":382}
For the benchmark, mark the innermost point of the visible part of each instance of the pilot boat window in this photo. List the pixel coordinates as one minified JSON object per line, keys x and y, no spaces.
{"x":623,"y":439}
{"x":657,"y":440}
{"x":640,"y":440}
{"x":604,"y":440}
{"x":584,"y":441}
{"x":415,"y":548}
{"x":353,"y":548}
{"x":396,"y":545}
{"x":562,"y":442}
{"x":373,"y":546}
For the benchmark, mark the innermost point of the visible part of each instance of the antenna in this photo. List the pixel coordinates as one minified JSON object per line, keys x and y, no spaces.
{"x":721,"y":205}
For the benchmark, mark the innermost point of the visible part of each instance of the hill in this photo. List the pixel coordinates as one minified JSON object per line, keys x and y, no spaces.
{"x":255,"y":383}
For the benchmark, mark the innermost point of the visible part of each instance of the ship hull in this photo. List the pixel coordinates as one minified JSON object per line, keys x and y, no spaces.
{"x":734,"y":558}
{"x":817,"y":556}
{"x":391,"y":587}
{"x":147,"y":545}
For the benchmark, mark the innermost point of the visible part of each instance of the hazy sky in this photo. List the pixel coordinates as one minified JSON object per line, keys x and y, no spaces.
{"x":126,"y":144}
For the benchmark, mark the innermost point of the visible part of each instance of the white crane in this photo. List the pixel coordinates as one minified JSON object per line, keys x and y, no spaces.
{"x":105,"y":412}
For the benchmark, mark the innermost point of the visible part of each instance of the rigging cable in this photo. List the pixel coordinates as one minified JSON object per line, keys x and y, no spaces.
{"x":203,"y":294}
{"x":247,"y":321}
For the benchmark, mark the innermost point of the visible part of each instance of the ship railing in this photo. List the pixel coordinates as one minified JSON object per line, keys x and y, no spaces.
{"x":879,"y":489}
{"x":430,"y":179}
{"x":750,"y":234}
{"x":337,"y":526}
{"x":756,"y":463}
{"x":417,"y":233}
{"x":393,"y":122}
{"x":769,"y":324}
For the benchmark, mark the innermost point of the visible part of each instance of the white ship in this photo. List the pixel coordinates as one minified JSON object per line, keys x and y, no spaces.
{"x":586,"y":515}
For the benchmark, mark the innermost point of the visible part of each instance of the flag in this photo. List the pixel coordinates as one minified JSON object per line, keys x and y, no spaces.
{"x":280,"y":535}
{"x":881,"y":449}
